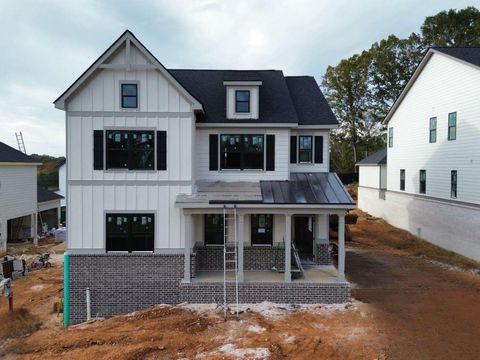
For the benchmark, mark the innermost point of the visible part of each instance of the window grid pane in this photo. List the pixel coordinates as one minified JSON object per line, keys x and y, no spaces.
{"x":452,"y":126}
{"x":242,"y":101}
{"x":433,"y":129}
{"x":130,"y":232}
{"x":240,"y":152}
{"x":132,"y":150}
{"x":453,"y":184}
{"x":129,"y":96}
{"x":305,"y":147}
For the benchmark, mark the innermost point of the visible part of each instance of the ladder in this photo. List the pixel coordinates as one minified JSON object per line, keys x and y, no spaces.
{"x":229,"y":256}
{"x":20,"y":142}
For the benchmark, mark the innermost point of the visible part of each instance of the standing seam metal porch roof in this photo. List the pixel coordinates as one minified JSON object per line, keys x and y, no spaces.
{"x":308,"y":189}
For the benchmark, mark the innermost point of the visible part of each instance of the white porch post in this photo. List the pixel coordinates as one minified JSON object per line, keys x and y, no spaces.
{"x":34,"y":227}
{"x":241,"y":244}
{"x":288,"y":248}
{"x":59,"y":215}
{"x":188,"y":248}
{"x":341,"y":247}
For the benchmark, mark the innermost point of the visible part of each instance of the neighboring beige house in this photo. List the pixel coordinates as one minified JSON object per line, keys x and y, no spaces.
{"x":432,"y":160}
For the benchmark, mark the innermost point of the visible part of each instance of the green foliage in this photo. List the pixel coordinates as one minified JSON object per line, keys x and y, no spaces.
{"x":47,"y":174}
{"x":453,"y":28}
{"x":362,"y":88}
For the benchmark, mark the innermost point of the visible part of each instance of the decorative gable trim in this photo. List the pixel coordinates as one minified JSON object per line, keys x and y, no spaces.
{"x":126,"y":38}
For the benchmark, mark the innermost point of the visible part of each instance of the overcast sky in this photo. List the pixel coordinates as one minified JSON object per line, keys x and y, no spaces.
{"x":48,"y":44}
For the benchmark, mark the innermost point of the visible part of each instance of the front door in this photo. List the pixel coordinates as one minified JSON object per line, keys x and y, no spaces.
{"x":303,"y":236}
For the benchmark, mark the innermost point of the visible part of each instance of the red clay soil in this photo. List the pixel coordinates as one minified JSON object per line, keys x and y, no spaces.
{"x":411,"y":309}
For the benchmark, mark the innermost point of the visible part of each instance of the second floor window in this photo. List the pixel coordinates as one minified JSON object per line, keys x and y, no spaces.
{"x":305,"y":147}
{"x":242,"y":101}
{"x":423,"y":182}
{"x":452,"y":126}
{"x":241,"y":152}
{"x":453,"y":184}
{"x":433,"y":129}
{"x":129,"y":96}
{"x":390,"y":137}
{"x":133,"y":150}
{"x":402,"y":179}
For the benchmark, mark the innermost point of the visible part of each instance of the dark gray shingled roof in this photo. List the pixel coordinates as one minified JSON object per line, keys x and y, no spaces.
{"x":283,"y":99}
{"x":306,"y":188}
{"x":311,"y":106}
{"x":378,"y":158}
{"x":10,"y":155}
{"x":468,"y":54}
{"x":44,"y":195}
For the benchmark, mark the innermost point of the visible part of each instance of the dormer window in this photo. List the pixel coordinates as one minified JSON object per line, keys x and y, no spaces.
{"x":242,"y":101}
{"x":129,"y":96}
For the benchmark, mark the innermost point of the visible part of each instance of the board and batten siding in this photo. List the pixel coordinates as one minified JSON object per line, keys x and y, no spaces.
{"x":282,"y":146}
{"x":325,"y":165}
{"x":444,"y":86}
{"x":93,"y":193}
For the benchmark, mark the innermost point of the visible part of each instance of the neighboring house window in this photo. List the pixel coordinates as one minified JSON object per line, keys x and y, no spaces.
{"x":305,"y":147}
{"x":132,"y":150}
{"x":129,"y":96}
{"x":402,"y":179}
{"x":452,"y":126}
{"x":433,"y":129}
{"x":262,"y":229}
{"x":130,"y":232}
{"x":214,"y":229}
{"x":241,"y":152}
{"x":423,"y":182}
{"x":242,"y":101}
{"x":390,"y":137}
{"x":453,"y":184}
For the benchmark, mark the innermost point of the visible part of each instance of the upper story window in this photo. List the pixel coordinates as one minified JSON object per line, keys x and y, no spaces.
{"x":241,"y":152}
{"x":402,"y":179}
{"x":130,"y":232}
{"x":452,"y":126}
{"x":433,"y":130}
{"x":390,"y":137}
{"x":305,"y":149}
{"x":129,"y":96}
{"x":423,"y":182}
{"x":242,"y":101}
{"x":453,"y":184}
{"x":133,"y":150}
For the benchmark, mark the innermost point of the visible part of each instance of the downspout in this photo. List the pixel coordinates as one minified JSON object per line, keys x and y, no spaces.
{"x":66,"y":289}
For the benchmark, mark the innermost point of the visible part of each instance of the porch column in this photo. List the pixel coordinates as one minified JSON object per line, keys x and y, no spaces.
{"x":341,"y":247}
{"x":34,"y":227}
{"x":188,"y":248}
{"x":288,"y":248}
{"x":241,"y":244}
{"x":59,"y":216}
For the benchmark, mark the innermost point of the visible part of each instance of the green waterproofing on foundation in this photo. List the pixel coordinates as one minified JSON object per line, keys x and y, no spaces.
{"x":66,"y":290}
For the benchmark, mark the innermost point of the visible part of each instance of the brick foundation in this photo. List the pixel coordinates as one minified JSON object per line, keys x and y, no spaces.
{"x":254,"y":258}
{"x":323,"y":255}
{"x":122,"y":283}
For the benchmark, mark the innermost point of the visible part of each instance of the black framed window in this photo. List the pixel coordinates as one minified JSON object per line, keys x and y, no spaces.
{"x":261,"y":229}
{"x":130,"y":232}
{"x":214,"y":229}
{"x":433,"y":130}
{"x":390,"y":137}
{"x":402,"y":179}
{"x":305,"y":149}
{"x":452,"y":126}
{"x":423,"y":182}
{"x":129,"y":96}
{"x":453,"y":184}
{"x":241,"y":152}
{"x":242,"y":101}
{"x":133,"y":150}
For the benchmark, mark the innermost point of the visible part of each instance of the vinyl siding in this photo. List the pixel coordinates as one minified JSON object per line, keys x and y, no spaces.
{"x":323,"y":167}
{"x":18,"y":191}
{"x":444,"y":86}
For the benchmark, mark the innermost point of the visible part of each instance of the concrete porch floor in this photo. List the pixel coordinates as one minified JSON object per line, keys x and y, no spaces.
{"x":313,"y":274}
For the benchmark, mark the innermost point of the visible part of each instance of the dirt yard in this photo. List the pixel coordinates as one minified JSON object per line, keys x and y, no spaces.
{"x":412,"y":301}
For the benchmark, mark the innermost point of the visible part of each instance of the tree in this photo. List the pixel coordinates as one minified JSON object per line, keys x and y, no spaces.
{"x":345,"y":87}
{"x":393,"y":62}
{"x":452,"y":28}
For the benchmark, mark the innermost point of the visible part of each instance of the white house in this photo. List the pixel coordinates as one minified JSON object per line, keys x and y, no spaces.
{"x":433,"y":160}
{"x":174,"y":176}
{"x":62,"y":188}
{"x":22,"y":202}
